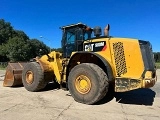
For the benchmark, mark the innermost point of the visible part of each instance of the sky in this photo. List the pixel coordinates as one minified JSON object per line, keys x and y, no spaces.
{"x":139,"y":19}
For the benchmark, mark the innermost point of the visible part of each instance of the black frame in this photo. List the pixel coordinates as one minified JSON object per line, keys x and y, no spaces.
{"x":78,"y":31}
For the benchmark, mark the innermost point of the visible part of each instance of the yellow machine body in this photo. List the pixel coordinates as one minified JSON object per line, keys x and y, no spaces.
{"x":127,"y":63}
{"x":123,"y":55}
{"x":125,"y":58}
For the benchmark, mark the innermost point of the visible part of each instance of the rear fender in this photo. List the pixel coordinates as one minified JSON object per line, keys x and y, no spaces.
{"x":79,"y":57}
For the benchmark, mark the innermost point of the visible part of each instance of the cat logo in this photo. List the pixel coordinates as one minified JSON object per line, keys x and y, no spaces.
{"x":95,"y":46}
{"x":88,"y":47}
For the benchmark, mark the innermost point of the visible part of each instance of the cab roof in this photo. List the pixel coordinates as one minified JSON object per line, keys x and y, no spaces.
{"x":74,"y":25}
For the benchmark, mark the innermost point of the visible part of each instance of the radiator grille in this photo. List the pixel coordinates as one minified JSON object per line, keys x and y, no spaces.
{"x":147,"y":54}
{"x":119,"y":56}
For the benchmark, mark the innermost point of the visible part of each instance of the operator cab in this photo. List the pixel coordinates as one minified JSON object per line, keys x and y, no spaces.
{"x":73,"y":38}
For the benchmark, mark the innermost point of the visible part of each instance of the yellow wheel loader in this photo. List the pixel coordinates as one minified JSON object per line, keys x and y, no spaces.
{"x":90,"y":62}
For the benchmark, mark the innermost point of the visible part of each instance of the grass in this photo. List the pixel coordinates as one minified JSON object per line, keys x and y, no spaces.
{"x":2,"y":67}
{"x":158,"y":65}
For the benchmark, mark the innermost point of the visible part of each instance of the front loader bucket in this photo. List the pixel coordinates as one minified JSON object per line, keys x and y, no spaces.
{"x":13,"y":76}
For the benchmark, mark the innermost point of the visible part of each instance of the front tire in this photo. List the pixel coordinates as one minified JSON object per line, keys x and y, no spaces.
{"x":33,"y":77}
{"x":87,"y":83}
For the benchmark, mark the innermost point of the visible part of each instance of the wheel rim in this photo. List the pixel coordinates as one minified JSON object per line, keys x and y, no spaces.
{"x":83,"y":84}
{"x":29,"y":77}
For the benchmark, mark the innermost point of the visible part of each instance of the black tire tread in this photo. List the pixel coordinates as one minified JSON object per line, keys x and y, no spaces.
{"x":103,"y":82}
{"x":40,"y":83}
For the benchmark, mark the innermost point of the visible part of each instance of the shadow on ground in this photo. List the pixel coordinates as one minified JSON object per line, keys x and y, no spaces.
{"x":143,"y":96}
{"x":137,"y":97}
{"x":51,"y":86}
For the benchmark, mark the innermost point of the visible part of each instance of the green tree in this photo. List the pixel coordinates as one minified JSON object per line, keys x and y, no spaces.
{"x":38,"y":48}
{"x":57,"y":50}
{"x":20,"y":34}
{"x":6,"y":31}
{"x":16,"y":46}
{"x":3,"y":57}
{"x":17,"y":49}
{"x":157,"y":56}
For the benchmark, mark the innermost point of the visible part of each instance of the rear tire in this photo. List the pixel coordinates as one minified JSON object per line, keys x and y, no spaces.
{"x":87,"y":83}
{"x":33,"y":77}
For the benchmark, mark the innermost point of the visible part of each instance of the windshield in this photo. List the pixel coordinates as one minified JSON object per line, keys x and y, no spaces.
{"x":73,"y":40}
{"x":70,"y":37}
{"x":87,"y":35}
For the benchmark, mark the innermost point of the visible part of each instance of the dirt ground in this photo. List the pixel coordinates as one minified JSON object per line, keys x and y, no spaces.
{"x":55,"y":104}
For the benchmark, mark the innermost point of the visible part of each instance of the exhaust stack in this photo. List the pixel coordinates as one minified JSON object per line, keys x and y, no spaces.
{"x":106,"y":30}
